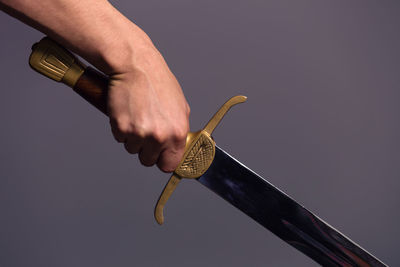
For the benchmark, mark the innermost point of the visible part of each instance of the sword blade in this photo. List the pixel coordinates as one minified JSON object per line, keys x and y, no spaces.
{"x":282,"y":215}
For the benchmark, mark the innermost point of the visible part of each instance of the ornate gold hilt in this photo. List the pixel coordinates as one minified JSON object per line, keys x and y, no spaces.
{"x":54,"y":61}
{"x":198,"y":156}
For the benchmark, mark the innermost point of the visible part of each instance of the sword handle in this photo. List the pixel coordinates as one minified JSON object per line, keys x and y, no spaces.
{"x":55,"y":62}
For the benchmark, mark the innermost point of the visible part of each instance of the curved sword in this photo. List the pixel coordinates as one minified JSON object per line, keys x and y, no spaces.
{"x":218,"y":171}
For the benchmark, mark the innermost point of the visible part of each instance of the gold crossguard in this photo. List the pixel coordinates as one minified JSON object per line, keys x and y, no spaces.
{"x":198,"y":156}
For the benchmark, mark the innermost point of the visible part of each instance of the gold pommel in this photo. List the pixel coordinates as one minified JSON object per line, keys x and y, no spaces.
{"x":55,"y":62}
{"x":198,"y":156}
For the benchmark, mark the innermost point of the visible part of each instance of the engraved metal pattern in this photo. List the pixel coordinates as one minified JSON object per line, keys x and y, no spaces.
{"x":55,"y":62}
{"x":198,"y":159}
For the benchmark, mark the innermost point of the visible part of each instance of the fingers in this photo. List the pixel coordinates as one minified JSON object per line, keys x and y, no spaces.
{"x":150,"y":152}
{"x":133,"y":144}
{"x":154,"y":147}
{"x":167,"y":156}
{"x":149,"y":114}
{"x":169,"y":159}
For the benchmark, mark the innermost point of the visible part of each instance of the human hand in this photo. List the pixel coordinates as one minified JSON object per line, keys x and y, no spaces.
{"x":148,"y":111}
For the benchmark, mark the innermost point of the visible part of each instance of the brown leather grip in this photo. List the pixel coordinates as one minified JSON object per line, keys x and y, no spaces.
{"x":93,"y":86}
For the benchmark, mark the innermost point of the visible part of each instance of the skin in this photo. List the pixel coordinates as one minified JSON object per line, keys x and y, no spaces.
{"x":147,"y":109}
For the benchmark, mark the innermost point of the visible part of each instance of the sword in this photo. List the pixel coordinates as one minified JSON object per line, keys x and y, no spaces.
{"x":217,"y":170}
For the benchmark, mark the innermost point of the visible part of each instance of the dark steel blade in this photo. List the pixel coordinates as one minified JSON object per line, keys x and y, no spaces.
{"x":280,"y":214}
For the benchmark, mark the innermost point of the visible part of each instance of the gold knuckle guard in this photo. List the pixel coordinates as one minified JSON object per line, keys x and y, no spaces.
{"x":198,"y":156}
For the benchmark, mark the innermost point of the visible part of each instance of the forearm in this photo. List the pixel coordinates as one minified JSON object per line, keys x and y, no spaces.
{"x":147,"y":109}
{"x":94,"y":29}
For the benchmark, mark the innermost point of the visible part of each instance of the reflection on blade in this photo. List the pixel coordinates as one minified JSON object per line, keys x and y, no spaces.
{"x":280,"y":214}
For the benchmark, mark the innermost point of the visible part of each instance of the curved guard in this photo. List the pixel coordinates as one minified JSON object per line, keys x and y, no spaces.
{"x":198,"y":156}
{"x":216,"y":119}
{"x":167,"y":192}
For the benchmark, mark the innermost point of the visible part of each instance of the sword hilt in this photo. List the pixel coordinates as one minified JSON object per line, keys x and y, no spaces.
{"x":55,"y":62}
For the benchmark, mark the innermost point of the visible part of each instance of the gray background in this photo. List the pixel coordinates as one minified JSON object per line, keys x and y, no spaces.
{"x":321,"y":122}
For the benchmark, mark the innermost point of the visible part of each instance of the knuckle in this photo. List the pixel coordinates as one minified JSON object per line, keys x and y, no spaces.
{"x":187,"y":110}
{"x":127,"y":127}
{"x":123,"y":126}
{"x":179,"y":135}
{"x":159,"y":136}
{"x":140,"y":130}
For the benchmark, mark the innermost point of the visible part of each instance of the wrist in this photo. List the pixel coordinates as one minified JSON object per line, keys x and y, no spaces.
{"x":126,"y":50}
{"x":109,"y":41}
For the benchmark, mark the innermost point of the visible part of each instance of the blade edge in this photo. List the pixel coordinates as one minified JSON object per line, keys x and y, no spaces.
{"x":279,"y":213}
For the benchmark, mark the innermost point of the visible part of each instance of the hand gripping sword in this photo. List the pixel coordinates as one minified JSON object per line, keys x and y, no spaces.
{"x":217,"y":170}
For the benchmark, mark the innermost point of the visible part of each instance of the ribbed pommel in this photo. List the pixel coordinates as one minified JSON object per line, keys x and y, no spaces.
{"x":55,"y":62}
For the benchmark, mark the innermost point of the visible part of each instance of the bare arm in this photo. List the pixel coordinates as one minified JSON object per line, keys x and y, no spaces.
{"x":148,"y":111}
